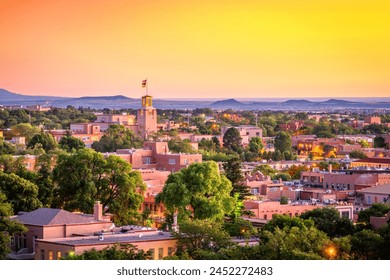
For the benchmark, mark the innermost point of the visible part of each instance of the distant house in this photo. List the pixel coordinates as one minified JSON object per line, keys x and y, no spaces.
{"x":375,"y":194}
{"x":55,"y":233}
{"x":381,"y":162}
{"x":47,"y":223}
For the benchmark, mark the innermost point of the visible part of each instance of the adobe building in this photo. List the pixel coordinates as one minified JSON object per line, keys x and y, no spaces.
{"x":55,"y":233}
{"x":246,"y":132}
{"x":147,"y":117}
{"x":375,"y":194}
{"x":265,"y":210}
{"x":380,"y":162}
{"x":47,"y":223}
{"x":156,"y":155}
{"x":352,"y":179}
{"x":158,"y":244}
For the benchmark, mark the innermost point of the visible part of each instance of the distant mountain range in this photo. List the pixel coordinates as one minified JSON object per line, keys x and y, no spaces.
{"x":121,"y":101}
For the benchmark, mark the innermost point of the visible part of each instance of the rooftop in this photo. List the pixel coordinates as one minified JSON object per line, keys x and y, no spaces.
{"x":112,"y":238}
{"x":49,"y":216}
{"x":383,"y":189}
{"x":384,"y":160}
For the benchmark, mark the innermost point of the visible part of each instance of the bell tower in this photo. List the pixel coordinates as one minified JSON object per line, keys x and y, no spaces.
{"x":147,"y":117}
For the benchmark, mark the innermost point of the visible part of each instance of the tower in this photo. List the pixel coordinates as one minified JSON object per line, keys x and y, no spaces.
{"x":147,"y":117}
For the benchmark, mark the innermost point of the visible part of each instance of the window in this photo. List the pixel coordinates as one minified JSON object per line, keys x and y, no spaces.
{"x":172,"y":161}
{"x":160,"y":253}
{"x":170,"y":251}
{"x":147,"y":160}
{"x":345,"y":214}
{"x":42,"y":254}
{"x":151,"y":252}
{"x":185,"y":161}
{"x":50,"y":255}
{"x":58,"y":255}
{"x":265,"y":216}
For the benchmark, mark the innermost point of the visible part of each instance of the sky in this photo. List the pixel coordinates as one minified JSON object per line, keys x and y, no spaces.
{"x":196,"y":49}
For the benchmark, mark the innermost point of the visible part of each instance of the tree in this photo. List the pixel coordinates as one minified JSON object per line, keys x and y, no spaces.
{"x":255,"y":145}
{"x":232,"y":140}
{"x":357,"y":154}
{"x":20,"y":193}
{"x":44,"y":140}
{"x":86,"y":176}
{"x":376,"y":210}
{"x":366,"y":245}
{"x":117,"y":137}
{"x":283,"y":142}
{"x":329,"y":221}
{"x":6,"y":148}
{"x":265,"y":169}
{"x":375,"y":128}
{"x":323,"y":130}
{"x":70,"y":143}
{"x":239,"y":227}
{"x":282,"y":175}
{"x":285,"y":238}
{"x":115,"y":252}
{"x":232,"y":171}
{"x":364,"y":143}
{"x":284,"y":200}
{"x":296,"y":170}
{"x":197,"y":237}
{"x":24,"y":130}
{"x":198,"y":191}
{"x":379,"y":142}
{"x":7,"y":227}
{"x":180,"y":146}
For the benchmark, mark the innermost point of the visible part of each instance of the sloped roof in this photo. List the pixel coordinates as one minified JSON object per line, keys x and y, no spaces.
{"x":383,"y":189}
{"x":49,"y":216}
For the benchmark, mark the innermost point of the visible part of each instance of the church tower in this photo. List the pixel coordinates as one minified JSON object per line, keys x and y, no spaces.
{"x":147,"y":117}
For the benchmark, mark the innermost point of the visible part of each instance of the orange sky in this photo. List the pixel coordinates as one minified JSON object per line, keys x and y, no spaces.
{"x":213,"y":48}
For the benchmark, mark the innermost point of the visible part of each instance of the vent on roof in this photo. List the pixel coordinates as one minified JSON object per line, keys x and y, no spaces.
{"x":101,"y":237}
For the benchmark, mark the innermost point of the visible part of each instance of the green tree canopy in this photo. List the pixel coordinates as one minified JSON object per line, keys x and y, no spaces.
{"x":232,"y":171}
{"x":376,"y":210}
{"x":7,"y":227}
{"x":86,"y":176}
{"x":117,"y":137}
{"x":379,"y":142}
{"x":232,"y":140}
{"x":24,"y":130}
{"x":285,"y":238}
{"x":20,"y":193}
{"x":44,"y":140}
{"x":70,"y":143}
{"x":6,"y":148}
{"x":329,"y":221}
{"x":283,"y":142}
{"x":357,"y":154}
{"x":196,"y":237}
{"x":255,"y":145}
{"x":199,"y":191}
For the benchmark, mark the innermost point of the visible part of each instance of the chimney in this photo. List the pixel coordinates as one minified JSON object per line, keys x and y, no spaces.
{"x":98,"y":211}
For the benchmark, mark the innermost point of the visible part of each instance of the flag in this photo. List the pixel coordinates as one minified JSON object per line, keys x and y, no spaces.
{"x":144,"y":83}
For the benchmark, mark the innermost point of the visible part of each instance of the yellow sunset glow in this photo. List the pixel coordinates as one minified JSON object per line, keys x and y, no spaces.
{"x":279,"y":48}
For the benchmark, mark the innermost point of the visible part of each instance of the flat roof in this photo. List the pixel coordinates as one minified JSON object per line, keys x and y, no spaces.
{"x":111,"y":238}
